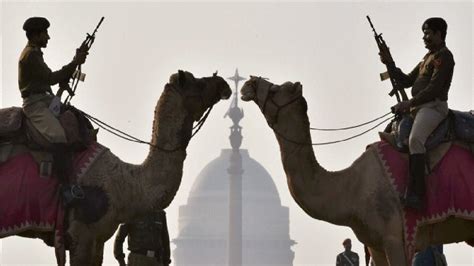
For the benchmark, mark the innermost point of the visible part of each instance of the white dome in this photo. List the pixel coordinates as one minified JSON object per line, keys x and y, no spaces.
{"x":213,"y":181}
{"x":204,"y":220}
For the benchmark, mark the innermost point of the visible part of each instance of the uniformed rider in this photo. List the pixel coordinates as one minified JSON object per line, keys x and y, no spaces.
{"x":430,"y":81}
{"x":35,"y":79}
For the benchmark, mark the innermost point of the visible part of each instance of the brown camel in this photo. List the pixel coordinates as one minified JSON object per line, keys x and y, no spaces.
{"x":135,"y":189}
{"x":360,"y":196}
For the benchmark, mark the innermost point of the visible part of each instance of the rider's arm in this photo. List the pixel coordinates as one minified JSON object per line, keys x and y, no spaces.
{"x":407,"y":80}
{"x":43,"y":73}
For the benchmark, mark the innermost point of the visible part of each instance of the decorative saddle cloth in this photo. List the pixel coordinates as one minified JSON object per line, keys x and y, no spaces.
{"x":449,"y":188}
{"x":30,"y":202}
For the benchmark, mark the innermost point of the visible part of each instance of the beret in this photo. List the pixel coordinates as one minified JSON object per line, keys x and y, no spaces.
{"x":36,"y":24}
{"x":435,"y":24}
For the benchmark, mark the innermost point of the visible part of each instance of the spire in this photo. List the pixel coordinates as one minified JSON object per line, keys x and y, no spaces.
{"x":235,"y":113}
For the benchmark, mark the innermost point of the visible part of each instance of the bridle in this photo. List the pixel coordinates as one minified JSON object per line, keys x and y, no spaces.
{"x":267,"y":98}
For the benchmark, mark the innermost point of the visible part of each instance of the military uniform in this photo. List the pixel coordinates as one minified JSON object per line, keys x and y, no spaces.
{"x":430,"y":81}
{"x":35,"y":79}
{"x":148,"y":241}
{"x":431,"y":256}
{"x":347,"y":258}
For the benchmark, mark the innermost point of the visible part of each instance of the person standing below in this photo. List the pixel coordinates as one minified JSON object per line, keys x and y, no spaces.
{"x":430,"y":81}
{"x":35,"y":79}
{"x":148,"y":241}
{"x":347,"y":258}
{"x":431,"y":256}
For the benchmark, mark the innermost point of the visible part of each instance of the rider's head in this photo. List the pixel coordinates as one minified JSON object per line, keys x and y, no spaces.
{"x":436,"y":25}
{"x":36,"y":29}
{"x":434,"y":33}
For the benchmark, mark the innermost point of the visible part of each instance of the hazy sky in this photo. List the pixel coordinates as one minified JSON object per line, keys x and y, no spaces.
{"x":328,"y":47}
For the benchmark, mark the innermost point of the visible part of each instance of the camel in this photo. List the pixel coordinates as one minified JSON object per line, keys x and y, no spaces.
{"x":360,"y":196}
{"x":152,"y":185}
{"x":133,"y":190}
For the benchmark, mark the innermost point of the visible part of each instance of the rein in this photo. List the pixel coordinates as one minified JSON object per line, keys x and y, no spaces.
{"x":350,"y":127}
{"x":280,"y":107}
{"x":330,"y":142}
{"x":128,"y":137}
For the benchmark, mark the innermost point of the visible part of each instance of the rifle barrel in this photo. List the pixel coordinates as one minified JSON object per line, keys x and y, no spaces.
{"x":371,"y":25}
{"x":98,"y":25}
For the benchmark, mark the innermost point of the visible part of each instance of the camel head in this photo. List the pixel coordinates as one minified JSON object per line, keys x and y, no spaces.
{"x":275,"y":101}
{"x":199,"y":94}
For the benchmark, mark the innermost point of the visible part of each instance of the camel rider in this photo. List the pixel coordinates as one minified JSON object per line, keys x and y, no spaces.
{"x":148,"y":241}
{"x":430,"y":81}
{"x":35,"y":79}
{"x":347,"y":258}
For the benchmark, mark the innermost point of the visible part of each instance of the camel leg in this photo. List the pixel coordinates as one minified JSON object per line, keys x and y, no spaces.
{"x":395,"y":252}
{"x":378,"y":257}
{"x":98,"y":253}
{"x":82,"y":244}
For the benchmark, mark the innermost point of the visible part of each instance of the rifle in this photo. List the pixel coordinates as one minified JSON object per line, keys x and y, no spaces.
{"x":391,"y":67}
{"x":78,"y":75}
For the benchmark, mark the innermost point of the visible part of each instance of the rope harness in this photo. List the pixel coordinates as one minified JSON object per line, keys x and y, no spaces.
{"x":268,"y":99}
{"x":128,"y":137}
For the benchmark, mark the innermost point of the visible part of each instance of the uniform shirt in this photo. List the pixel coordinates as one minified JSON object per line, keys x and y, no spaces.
{"x":35,"y":77}
{"x":148,"y":233}
{"x":431,"y":256}
{"x":431,"y":78}
{"x":341,"y":260}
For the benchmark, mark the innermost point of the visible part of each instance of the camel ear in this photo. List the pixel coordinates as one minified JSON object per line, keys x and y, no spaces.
{"x":297,"y":87}
{"x":181,"y":78}
{"x":215,"y":74}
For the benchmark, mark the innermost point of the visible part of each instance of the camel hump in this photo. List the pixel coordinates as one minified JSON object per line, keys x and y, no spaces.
{"x":11,"y":120}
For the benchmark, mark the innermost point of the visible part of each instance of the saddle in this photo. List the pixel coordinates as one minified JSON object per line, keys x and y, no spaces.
{"x":457,"y":128}
{"x":18,"y":137}
{"x":17,"y":133}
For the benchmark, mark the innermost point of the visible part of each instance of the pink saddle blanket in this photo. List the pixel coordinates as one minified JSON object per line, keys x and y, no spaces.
{"x":29,"y":202}
{"x":449,"y":188}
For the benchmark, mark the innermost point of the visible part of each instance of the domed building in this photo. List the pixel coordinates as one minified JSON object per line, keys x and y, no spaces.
{"x":234,"y":215}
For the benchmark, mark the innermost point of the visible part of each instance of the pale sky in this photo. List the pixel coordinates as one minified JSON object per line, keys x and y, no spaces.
{"x":327,"y":46}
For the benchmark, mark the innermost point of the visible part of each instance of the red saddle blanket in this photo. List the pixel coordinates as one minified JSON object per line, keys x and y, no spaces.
{"x":449,"y":188}
{"x":29,"y":202}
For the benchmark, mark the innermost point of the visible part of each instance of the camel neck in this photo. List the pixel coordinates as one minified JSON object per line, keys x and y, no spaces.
{"x":163,"y":168}
{"x":313,"y":188}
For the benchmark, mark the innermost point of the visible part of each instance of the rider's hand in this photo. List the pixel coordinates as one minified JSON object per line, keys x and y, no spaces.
{"x":402,"y":107}
{"x":385,"y":57}
{"x":80,"y":57}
